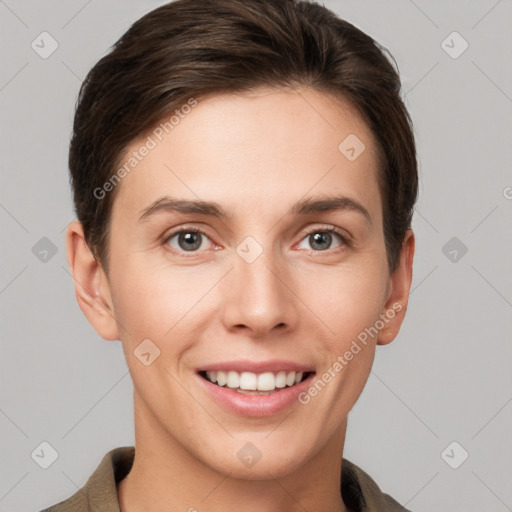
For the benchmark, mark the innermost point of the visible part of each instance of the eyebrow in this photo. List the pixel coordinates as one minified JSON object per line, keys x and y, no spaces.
{"x":307,"y":206}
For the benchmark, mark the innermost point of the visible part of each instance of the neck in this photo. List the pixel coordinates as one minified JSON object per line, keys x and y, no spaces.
{"x":166,"y":476}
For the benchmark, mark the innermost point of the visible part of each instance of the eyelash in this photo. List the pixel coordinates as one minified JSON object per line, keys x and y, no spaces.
{"x":344,"y":239}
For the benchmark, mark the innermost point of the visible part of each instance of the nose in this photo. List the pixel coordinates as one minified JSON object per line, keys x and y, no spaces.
{"x":259,"y":299}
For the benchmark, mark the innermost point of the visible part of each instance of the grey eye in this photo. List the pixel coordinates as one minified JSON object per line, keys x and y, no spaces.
{"x":187,"y":240}
{"x":320,"y":240}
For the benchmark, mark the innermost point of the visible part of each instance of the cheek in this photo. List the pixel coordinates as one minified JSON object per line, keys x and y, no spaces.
{"x":152,"y":295}
{"x":350,"y":306}
{"x":154,"y":300}
{"x":346,"y":299}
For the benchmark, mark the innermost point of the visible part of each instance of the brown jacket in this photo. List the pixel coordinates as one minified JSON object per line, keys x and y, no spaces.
{"x":360,"y":493}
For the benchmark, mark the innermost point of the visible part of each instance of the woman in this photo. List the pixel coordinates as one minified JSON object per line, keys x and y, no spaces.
{"x":244,"y":177}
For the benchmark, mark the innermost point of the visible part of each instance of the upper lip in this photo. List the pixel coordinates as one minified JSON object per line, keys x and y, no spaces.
{"x":256,"y":366}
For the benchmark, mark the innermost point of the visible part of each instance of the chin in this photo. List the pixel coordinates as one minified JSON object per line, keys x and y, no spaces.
{"x":257,"y":459}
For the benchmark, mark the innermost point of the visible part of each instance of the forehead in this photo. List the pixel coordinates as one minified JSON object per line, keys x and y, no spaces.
{"x":260,"y":149}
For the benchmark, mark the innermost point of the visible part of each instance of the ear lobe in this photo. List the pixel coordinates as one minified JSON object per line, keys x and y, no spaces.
{"x":92,"y":289}
{"x":400,"y":284}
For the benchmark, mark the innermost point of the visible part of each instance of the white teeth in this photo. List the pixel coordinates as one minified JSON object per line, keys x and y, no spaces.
{"x":221,"y":378}
{"x":248,"y":381}
{"x":266,"y":381}
{"x":252,"y":384}
{"x":245,"y":392}
{"x":281,"y":380}
{"x":233,"y":380}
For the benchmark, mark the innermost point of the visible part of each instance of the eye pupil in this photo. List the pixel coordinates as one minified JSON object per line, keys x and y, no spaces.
{"x":190,"y":238}
{"x":319,"y":238}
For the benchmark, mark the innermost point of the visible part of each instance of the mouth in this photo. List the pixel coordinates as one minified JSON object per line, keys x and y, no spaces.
{"x":249,"y":383}
{"x":256,"y":389}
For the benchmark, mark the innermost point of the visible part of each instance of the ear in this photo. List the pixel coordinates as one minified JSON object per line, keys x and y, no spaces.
{"x":398,"y":295}
{"x":92,"y":288}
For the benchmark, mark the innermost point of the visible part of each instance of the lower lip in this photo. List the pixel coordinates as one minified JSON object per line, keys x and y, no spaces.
{"x":255,"y":405}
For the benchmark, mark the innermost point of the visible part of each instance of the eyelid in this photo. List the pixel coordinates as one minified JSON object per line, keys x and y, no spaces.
{"x":345,"y":237}
{"x":185,"y":229}
{"x":342,"y":234}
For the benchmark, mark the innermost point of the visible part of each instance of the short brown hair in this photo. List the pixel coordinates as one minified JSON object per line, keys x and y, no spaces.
{"x":191,"y":48}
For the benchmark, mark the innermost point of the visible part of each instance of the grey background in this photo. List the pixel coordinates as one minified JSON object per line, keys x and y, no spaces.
{"x":445,"y":378}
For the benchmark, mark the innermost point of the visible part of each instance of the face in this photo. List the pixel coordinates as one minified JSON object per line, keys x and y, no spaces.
{"x":248,"y":248}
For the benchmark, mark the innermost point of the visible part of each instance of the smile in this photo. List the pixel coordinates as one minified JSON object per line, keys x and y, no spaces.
{"x":250,"y":383}
{"x":255,"y":388}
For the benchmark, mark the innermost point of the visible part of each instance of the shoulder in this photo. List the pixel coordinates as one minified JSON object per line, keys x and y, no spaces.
{"x":77,"y":502}
{"x":362,"y":493}
{"x":100,"y":490}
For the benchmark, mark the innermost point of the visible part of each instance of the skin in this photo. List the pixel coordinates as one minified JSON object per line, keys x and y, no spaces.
{"x":255,"y":154}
